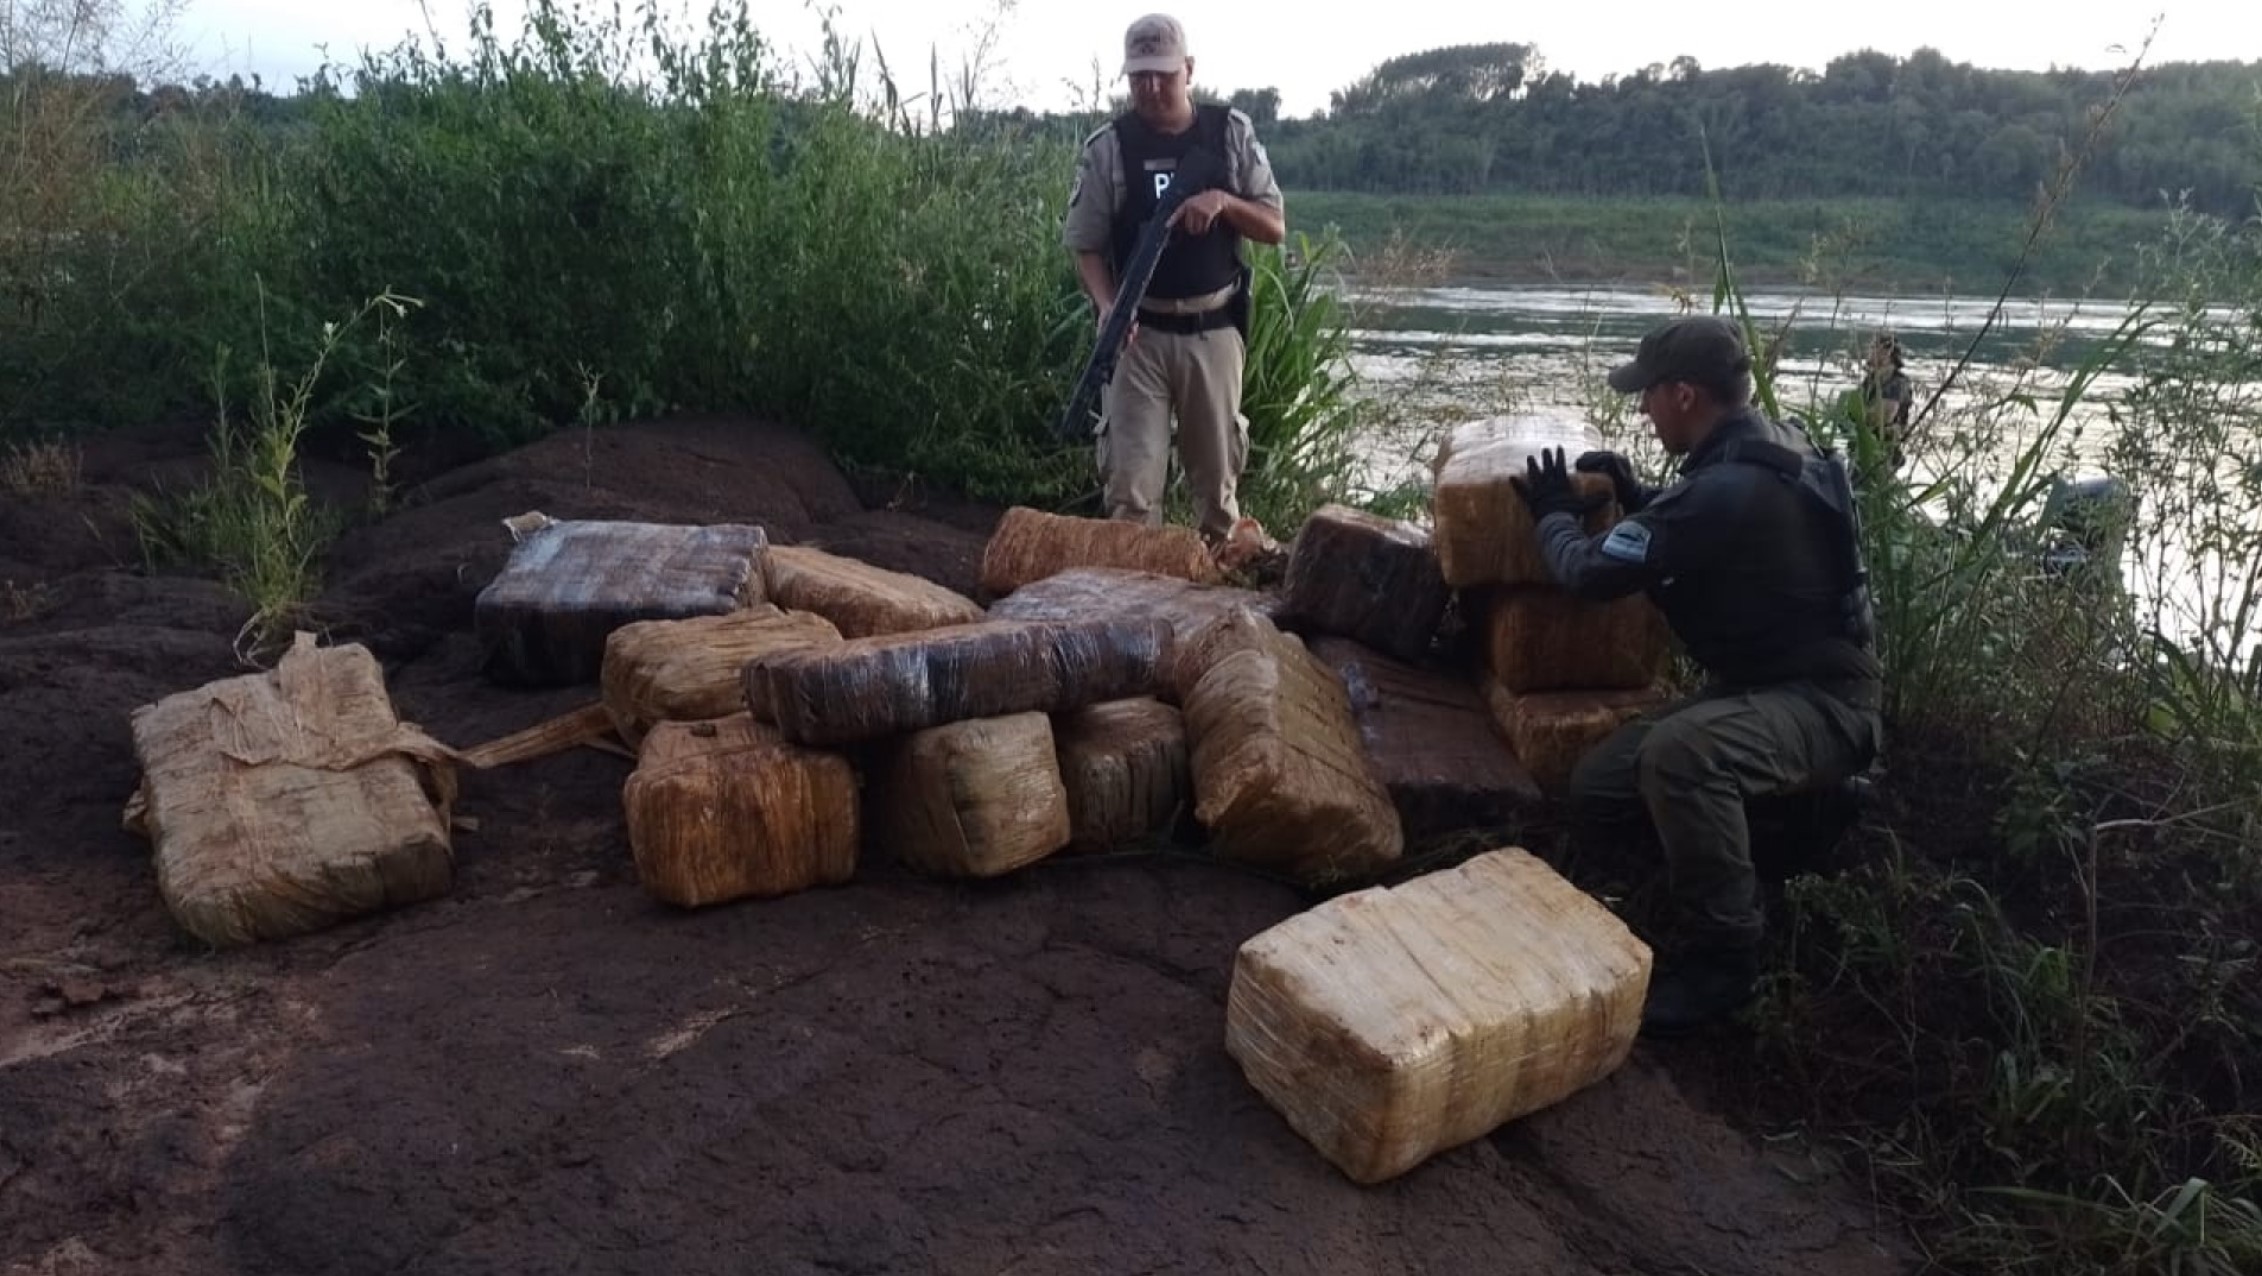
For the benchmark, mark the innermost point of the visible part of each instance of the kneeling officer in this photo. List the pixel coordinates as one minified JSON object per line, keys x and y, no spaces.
{"x":1753,"y":557}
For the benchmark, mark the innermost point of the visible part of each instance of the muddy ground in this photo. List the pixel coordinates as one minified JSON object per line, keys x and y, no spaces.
{"x":549,"y":1071}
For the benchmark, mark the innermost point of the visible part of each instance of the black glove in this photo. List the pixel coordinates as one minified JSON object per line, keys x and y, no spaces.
{"x":1546,"y":487}
{"x":1620,"y":471}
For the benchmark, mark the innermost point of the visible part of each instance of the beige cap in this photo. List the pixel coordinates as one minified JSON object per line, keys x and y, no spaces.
{"x":1154,"y":43}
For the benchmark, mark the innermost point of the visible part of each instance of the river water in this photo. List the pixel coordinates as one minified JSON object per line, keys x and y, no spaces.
{"x":1440,"y":354}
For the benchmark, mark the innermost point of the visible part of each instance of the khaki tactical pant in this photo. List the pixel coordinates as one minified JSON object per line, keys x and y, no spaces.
{"x":1690,"y":767}
{"x":1197,"y":376}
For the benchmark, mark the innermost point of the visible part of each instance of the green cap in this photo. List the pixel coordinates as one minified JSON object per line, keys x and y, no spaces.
{"x":1702,"y":348}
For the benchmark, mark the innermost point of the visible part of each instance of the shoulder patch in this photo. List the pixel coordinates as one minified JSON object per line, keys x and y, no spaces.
{"x":1628,"y":542}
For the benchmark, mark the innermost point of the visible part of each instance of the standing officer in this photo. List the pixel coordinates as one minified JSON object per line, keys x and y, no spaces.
{"x":1186,"y":350}
{"x":1753,"y":559}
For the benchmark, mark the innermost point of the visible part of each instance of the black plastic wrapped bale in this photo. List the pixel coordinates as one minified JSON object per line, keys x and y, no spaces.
{"x":870,"y":688}
{"x":1103,"y":593}
{"x":568,"y":585}
{"x":1431,"y":739}
{"x":1368,"y":578}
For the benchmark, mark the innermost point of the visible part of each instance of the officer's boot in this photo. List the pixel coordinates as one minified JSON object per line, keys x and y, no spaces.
{"x":1698,"y":987}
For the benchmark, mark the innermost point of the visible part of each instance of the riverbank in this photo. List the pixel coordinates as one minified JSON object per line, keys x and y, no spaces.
{"x":1897,"y":246}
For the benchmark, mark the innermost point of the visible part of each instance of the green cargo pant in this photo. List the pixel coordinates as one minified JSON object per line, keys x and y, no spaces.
{"x":1690,"y":768}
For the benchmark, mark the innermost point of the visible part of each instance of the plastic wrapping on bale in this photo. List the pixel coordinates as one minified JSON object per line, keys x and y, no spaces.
{"x":1479,"y":526}
{"x":283,"y":802}
{"x":1127,"y":771}
{"x":1549,"y":731}
{"x":1432,"y":742}
{"x":1539,"y":638}
{"x":861,"y":601}
{"x":691,"y":670}
{"x":868,"y":688}
{"x":1094,"y":593}
{"x":1387,"y":1026}
{"x":971,"y":799}
{"x":1368,"y":578}
{"x":1030,"y":545}
{"x":1281,"y":777}
{"x":725,"y":809}
{"x":544,"y":619}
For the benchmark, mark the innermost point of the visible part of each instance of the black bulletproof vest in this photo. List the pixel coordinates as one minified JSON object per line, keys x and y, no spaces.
{"x":1192,"y":265}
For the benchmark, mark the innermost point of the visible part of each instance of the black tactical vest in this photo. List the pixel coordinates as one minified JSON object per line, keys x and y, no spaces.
{"x":1191,"y":266}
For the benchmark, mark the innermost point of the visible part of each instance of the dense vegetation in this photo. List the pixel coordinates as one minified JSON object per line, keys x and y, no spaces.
{"x":2028,"y":1008}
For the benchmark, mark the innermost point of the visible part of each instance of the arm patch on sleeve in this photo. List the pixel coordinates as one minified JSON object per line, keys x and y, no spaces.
{"x":1628,"y":542}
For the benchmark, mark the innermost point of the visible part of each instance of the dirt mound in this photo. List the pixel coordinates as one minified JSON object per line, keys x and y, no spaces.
{"x":548,"y":1070}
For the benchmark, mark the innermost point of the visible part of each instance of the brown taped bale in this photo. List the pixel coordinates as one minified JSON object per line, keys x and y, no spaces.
{"x":861,"y":601}
{"x":692,"y":670}
{"x":1431,"y":740}
{"x":1480,"y":527}
{"x":1539,"y":638}
{"x":1108,"y":593}
{"x":972,"y":799}
{"x":1127,"y":770}
{"x":1549,"y":731}
{"x":1371,"y":579}
{"x":1387,"y":1026}
{"x":283,"y":802}
{"x":726,"y":809}
{"x":1281,"y":777}
{"x":1030,"y":545}
{"x":544,"y":619}
{"x":868,"y":688}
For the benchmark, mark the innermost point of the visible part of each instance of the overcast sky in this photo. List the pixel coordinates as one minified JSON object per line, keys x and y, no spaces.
{"x":1044,"y":44}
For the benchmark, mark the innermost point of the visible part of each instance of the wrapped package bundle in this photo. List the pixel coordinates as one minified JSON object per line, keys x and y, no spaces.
{"x":1549,"y":731}
{"x":1431,"y":740}
{"x":861,"y":601}
{"x":1030,"y":545}
{"x":725,"y":809}
{"x":1539,"y":638}
{"x":691,"y":670}
{"x":544,"y":619}
{"x":1367,"y":578}
{"x":1126,"y":768}
{"x":1480,"y":528}
{"x":1107,"y":593}
{"x":1387,"y":1026}
{"x":971,"y":799}
{"x":1280,"y":774}
{"x":283,"y":802}
{"x":867,"y":688}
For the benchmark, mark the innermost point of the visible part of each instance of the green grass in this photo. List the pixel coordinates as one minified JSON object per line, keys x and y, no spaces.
{"x":1904,"y":246}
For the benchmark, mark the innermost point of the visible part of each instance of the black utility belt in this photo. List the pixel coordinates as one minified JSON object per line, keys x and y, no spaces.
{"x":1186,"y":325}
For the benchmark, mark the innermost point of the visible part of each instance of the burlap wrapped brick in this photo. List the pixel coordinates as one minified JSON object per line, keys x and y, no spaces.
{"x":725,"y":809}
{"x":1127,"y":770}
{"x":869,"y":688}
{"x":861,"y":600}
{"x":1281,"y":777}
{"x":1371,"y":579}
{"x":1030,"y":545}
{"x":1387,"y":1026}
{"x":1097,"y":593}
{"x":283,"y":802}
{"x":1538,"y":638}
{"x":1431,"y":740}
{"x":1549,"y":731}
{"x":971,"y":799}
{"x":568,"y":585}
{"x":1479,"y":526}
{"x":691,"y":670}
